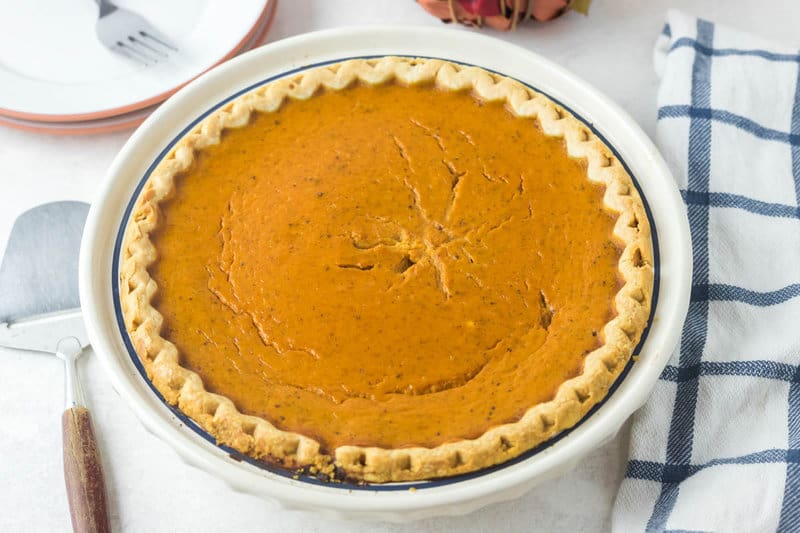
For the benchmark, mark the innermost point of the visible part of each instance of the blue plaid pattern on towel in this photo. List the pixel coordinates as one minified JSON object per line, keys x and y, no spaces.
{"x":717,"y":447}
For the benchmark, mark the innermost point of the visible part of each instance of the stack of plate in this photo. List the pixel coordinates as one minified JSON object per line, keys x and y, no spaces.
{"x":56,"y":77}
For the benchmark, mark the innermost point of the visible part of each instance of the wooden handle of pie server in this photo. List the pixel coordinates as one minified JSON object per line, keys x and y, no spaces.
{"x":83,"y":473}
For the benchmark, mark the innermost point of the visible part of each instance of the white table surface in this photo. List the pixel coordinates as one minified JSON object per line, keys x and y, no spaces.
{"x":150,"y":489}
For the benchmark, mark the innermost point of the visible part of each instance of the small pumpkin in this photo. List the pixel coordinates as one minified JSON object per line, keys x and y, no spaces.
{"x":501,"y":14}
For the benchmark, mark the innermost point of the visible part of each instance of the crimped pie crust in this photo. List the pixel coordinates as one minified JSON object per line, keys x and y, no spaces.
{"x":257,"y":437}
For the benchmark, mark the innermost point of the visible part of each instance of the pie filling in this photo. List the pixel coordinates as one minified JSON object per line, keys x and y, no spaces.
{"x":438,"y":268}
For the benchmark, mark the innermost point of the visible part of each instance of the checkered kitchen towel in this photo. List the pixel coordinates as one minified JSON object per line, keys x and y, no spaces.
{"x":717,"y":447}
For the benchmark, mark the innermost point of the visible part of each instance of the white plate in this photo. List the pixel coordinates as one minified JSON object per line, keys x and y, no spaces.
{"x":100,"y":250}
{"x":52,"y":67}
{"x":125,"y":120}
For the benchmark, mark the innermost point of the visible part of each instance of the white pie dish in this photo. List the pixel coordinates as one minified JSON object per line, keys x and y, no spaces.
{"x":386,"y":502}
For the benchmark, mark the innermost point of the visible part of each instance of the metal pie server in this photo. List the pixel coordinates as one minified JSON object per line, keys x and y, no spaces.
{"x":40,"y":312}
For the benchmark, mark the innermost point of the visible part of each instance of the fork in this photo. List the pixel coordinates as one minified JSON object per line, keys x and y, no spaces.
{"x":127,"y":33}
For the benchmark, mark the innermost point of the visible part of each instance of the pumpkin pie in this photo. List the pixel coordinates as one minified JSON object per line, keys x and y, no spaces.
{"x":387,"y":269}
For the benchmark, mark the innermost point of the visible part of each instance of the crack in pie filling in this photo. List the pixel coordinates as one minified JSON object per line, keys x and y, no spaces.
{"x":384,"y":270}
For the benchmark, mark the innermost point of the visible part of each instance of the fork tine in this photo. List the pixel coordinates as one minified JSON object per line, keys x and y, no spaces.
{"x":162,"y":42}
{"x":141,"y":43}
{"x":133,"y":53}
